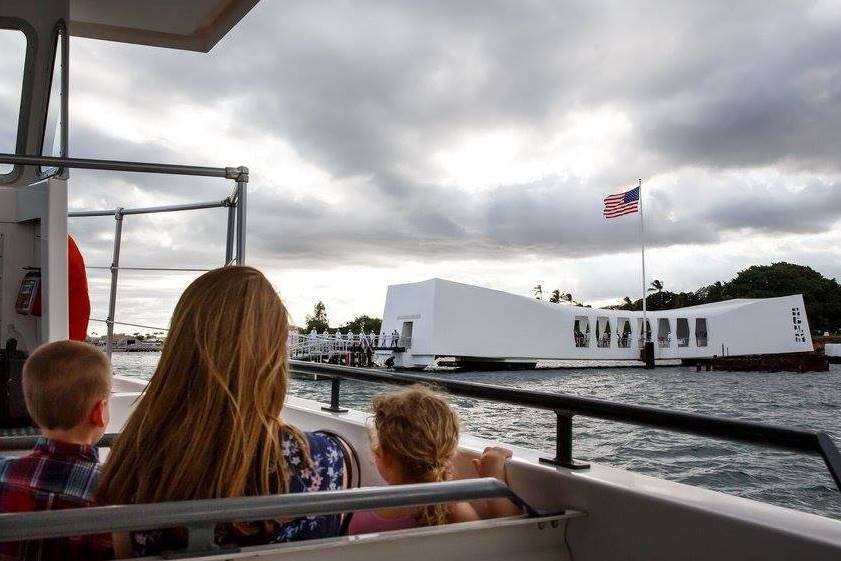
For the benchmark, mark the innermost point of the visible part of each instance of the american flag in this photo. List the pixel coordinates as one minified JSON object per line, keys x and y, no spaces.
{"x":621,"y":204}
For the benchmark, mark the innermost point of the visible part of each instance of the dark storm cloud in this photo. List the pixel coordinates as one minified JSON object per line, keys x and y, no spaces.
{"x":369,"y":91}
{"x":815,"y":208}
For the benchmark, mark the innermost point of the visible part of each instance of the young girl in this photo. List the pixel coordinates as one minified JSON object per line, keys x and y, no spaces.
{"x":415,"y":439}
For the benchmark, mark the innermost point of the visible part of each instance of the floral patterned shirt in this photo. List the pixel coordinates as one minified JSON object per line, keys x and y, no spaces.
{"x":324,"y":474}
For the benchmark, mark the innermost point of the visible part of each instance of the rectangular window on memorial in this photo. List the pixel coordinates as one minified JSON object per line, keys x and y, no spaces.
{"x":664,"y":333}
{"x":682,"y":332}
{"x":581,"y":331}
{"x":701,"y":332}
{"x":623,"y":333}
{"x":603,"y":332}
{"x":406,"y":334}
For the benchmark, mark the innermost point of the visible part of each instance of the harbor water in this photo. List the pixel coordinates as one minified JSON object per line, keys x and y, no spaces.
{"x":810,"y":401}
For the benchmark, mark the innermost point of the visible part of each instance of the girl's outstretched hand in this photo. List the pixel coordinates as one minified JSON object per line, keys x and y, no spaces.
{"x":492,"y":462}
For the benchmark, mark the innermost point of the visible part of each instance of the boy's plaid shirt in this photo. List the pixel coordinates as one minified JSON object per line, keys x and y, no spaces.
{"x":55,"y":475}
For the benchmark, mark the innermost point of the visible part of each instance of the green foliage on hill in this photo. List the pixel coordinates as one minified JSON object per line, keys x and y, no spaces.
{"x":319,"y":321}
{"x":362,"y":324}
{"x":821,"y":295}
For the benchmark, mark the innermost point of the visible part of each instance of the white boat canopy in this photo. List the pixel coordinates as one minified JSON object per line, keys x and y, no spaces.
{"x":193,"y":25}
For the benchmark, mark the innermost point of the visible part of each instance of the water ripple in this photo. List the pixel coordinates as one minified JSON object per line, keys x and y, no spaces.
{"x":809,"y":401}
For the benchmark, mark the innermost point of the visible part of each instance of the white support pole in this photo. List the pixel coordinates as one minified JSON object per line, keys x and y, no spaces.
{"x":54,"y":282}
{"x":642,"y":242}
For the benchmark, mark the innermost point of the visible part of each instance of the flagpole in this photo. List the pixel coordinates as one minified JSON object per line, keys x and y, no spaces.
{"x":642,"y":242}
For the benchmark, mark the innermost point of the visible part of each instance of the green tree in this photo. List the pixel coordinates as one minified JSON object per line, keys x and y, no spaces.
{"x":318,"y":319}
{"x":538,"y":292}
{"x":363,"y":323}
{"x":556,"y":296}
{"x":821,"y":295}
{"x":656,"y":286}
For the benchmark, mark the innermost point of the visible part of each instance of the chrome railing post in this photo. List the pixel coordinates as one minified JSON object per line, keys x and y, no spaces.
{"x":115,"y":267}
{"x":563,"y":443}
{"x":201,"y":538}
{"x":229,"y":240}
{"x":241,"y":177}
{"x":335,"y":389}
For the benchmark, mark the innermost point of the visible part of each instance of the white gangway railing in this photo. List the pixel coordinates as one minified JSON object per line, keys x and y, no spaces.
{"x":324,"y":346}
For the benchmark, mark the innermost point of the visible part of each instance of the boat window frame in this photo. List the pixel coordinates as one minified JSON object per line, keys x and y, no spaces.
{"x":30,"y":41}
{"x":59,"y":33}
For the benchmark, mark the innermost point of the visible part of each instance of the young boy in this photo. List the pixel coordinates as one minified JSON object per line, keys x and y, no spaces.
{"x":66,"y":386}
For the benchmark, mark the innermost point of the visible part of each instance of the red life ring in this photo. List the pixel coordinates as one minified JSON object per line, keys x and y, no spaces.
{"x":79,"y":303}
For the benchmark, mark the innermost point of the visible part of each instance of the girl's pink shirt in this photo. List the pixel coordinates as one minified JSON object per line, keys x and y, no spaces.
{"x":367,"y":522}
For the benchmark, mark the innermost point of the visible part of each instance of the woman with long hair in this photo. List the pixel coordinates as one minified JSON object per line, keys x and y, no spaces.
{"x":209,"y":425}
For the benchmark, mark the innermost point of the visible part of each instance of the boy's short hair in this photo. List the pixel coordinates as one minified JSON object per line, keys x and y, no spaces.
{"x":62,"y":381}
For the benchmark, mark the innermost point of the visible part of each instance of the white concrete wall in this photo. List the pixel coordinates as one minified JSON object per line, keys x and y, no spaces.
{"x":411,"y":302}
{"x":33,"y":233}
{"x":761,"y":326}
{"x":453,"y":319}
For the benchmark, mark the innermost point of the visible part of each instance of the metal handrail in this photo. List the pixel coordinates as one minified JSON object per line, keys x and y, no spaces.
{"x":117,"y":165}
{"x":105,"y":321}
{"x":201,"y":516}
{"x":230,"y":201}
{"x":171,"y":269}
{"x":235,"y":203}
{"x":567,"y":406}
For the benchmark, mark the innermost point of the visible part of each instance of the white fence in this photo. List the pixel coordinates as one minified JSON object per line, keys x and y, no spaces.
{"x":324,"y":346}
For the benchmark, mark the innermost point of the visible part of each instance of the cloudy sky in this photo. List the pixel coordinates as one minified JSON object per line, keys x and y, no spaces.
{"x":474,"y":141}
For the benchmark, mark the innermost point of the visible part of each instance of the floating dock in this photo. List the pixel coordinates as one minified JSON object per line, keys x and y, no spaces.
{"x":791,"y":362}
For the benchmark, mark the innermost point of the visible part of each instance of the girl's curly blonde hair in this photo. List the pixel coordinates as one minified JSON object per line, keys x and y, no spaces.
{"x":419,"y":430}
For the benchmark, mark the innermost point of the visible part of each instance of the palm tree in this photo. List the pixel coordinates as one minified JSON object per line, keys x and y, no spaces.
{"x":538,"y":292}
{"x":656,"y":286}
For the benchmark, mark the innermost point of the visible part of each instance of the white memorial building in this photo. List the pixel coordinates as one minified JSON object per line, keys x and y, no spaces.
{"x":439,"y":318}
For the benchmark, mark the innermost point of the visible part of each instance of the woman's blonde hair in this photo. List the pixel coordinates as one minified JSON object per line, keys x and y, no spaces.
{"x":208,"y":424}
{"x":418,"y":429}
